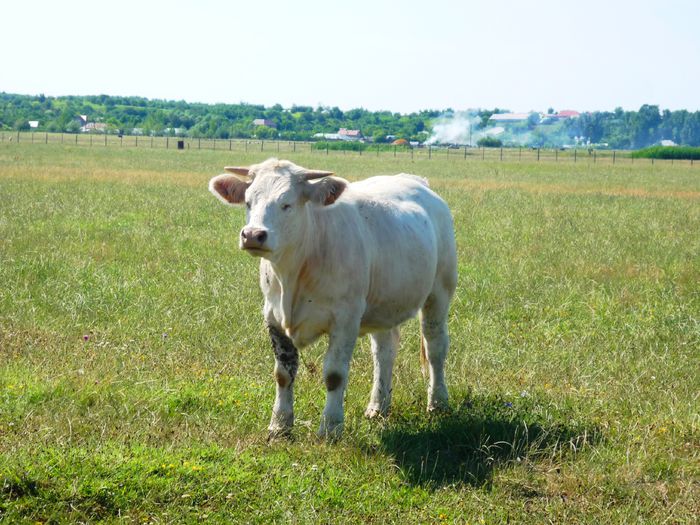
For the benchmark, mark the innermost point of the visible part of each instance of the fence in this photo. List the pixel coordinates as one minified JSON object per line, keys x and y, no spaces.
{"x":275,"y":147}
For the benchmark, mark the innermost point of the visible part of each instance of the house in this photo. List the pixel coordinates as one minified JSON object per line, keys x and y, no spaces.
{"x":509,"y":118}
{"x":327,"y":136}
{"x":81,"y":119}
{"x":349,"y":134}
{"x":265,"y":122}
{"x":96,"y":127}
{"x":33,"y":124}
{"x":565,"y":113}
{"x":667,"y":143}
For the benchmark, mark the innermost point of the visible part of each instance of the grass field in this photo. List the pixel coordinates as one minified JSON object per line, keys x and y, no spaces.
{"x":136,"y":375}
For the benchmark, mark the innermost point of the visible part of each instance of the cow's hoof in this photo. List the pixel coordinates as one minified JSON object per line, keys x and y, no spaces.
{"x":438,"y":406}
{"x":279,"y":433}
{"x":375,"y":412}
{"x":438,"y":409}
{"x":330,"y":431}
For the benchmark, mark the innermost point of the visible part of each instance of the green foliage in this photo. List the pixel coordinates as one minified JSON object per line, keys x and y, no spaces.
{"x":348,"y":145}
{"x":668,"y":152}
{"x":489,"y":142}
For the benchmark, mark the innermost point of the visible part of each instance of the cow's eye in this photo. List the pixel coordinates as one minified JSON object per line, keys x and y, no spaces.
{"x":247,"y":204}
{"x":285,"y":207}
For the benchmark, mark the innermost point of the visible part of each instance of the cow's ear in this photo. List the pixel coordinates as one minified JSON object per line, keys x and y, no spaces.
{"x":243,"y":171}
{"x":229,"y":189}
{"x":327,"y":190}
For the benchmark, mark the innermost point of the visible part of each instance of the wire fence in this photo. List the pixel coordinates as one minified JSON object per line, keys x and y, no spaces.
{"x":280,"y":147}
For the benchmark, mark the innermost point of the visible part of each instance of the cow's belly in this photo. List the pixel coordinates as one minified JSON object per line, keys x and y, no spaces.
{"x":387,"y":311}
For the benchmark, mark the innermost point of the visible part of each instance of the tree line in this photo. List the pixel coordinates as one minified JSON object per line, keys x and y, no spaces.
{"x":618,"y":129}
{"x":221,"y":121}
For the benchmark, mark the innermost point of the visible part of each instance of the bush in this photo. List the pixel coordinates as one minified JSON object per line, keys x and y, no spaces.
{"x":668,"y":152}
{"x":489,"y":142}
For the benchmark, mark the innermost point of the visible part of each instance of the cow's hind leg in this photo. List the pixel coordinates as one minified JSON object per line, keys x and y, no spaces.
{"x":286,"y":365}
{"x":433,"y":317}
{"x":384,"y":347}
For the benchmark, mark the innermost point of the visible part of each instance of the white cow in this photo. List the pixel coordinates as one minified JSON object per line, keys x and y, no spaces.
{"x":345,"y":259}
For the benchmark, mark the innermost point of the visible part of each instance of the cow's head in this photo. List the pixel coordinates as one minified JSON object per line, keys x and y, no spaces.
{"x":277,"y":194}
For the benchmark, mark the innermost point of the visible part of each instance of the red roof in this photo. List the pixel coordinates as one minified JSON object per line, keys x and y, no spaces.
{"x":349,"y":132}
{"x":568,"y":113}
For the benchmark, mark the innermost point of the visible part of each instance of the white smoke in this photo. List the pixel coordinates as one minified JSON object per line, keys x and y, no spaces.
{"x":464,"y":128}
{"x":456,"y":128}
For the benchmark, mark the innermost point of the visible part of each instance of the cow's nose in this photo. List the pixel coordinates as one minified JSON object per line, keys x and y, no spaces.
{"x":253,"y":237}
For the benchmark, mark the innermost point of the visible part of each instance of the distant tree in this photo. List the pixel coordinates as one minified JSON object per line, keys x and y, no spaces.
{"x":21,"y":125}
{"x":533,"y":119}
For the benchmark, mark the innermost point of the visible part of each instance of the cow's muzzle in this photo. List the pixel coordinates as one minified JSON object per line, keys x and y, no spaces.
{"x":253,"y":238}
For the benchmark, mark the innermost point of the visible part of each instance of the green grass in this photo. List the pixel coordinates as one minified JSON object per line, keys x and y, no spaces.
{"x":136,"y":375}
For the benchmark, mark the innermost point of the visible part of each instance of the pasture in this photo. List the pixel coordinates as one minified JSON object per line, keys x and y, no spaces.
{"x":136,"y":372}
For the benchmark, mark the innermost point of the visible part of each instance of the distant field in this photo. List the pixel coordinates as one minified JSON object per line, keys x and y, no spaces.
{"x":136,"y":375}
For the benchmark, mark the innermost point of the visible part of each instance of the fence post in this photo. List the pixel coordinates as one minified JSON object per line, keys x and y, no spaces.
{"x":595,"y":156}
{"x":613,"y":156}
{"x":501,"y":153}
{"x":167,"y":142}
{"x":105,"y":138}
{"x":262,"y":144}
{"x":556,"y":155}
{"x":230,"y":144}
{"x":430,"y":151}
{"x":121,"y":140}
{"x":46,"y":138}
{"x":465,"y":152}
{"x":90,"y":140}
{"x":294,"y":146}
{"x":520,"y":153}
{"x":575,"y":150}
{"x":538,"y":154}
{"x":394,"y":150}
{"x":326,"y":147}
{"x":32,"y":137}
{"x":483,"y":152}
{"x":412,"y":154}
{"x":18,"y":137}
{"x":137,"y":141}
{"x":76,"y":138}
{"x":214,"y":147}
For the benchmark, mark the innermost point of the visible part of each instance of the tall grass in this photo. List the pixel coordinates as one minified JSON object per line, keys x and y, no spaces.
{"x":136,"y":377}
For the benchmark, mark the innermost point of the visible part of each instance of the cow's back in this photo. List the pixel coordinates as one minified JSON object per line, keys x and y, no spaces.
{"x":411,"y":242}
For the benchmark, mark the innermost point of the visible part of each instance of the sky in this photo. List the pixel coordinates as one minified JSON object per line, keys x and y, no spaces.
{"x":401,"y":56}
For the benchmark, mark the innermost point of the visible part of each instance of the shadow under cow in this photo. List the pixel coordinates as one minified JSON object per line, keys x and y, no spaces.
{"x":482,"y":435}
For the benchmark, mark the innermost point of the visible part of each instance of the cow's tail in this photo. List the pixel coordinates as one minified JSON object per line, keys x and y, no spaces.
{"x":423,"y":356}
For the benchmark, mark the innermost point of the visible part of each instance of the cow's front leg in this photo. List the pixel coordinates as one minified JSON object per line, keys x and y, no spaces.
{"x":336,"y":367}
{"x":286,"y":365}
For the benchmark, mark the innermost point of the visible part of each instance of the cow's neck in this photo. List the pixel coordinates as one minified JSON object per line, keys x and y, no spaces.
{"x":295,"y":270}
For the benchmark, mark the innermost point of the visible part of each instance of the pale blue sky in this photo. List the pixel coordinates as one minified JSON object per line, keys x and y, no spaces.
{"x":401,"y":56}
